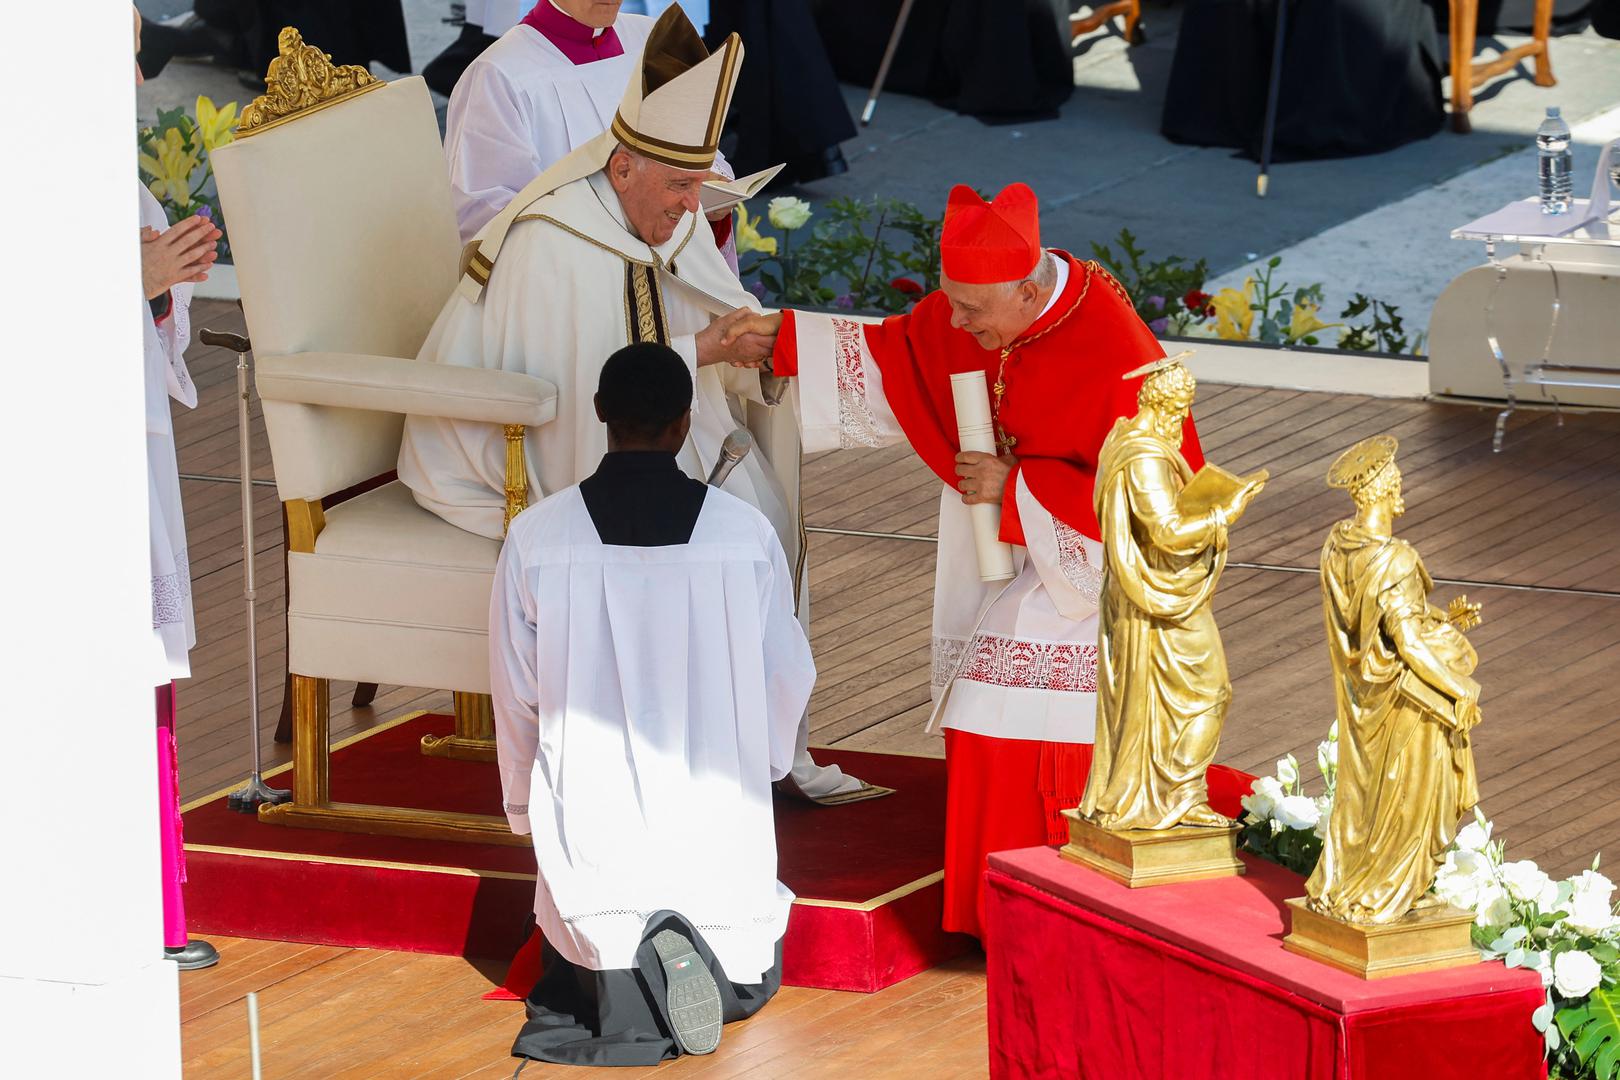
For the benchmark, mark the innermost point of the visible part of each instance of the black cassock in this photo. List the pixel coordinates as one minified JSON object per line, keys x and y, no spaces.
{"x":1358,"y":76}
{"x":787,"y":106}
{"x":1002,"y":61}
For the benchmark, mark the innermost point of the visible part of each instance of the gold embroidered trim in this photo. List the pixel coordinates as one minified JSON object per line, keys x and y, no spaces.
{"x":588,"y":239}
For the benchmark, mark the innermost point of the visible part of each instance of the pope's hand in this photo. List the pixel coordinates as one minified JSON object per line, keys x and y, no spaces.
{"x":735,"y":339}
{"x":982,"y":478}
{"x":183,"y":253}
{"x":751,"y":322}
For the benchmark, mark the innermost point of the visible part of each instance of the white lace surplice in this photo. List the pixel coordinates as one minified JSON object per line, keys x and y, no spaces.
{"x":645,"y":698}
{"x":1019,"y":660}
{"x":167,"y":377}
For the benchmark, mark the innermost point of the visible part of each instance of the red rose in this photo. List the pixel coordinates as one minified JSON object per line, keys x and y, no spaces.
{"x":907,"y":286}
{"x":1195,"y":300}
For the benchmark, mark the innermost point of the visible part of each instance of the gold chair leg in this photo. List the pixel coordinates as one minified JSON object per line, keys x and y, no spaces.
{"x":474,"y":737}
{"x":312,"y":806}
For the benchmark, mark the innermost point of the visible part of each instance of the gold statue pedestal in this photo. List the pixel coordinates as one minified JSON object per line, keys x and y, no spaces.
{"x":1137,"y":858}
{"x":1427,"y":939}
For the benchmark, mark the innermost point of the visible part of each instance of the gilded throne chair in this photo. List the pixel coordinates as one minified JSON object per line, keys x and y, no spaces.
{"x":346,"y":249}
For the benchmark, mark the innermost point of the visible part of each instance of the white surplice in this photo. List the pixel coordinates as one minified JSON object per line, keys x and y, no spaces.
{"x":1013,"y":660}
{"x":520,"y":107}
{"x":645,"y":699}
{"x":166,"y":378}
{"x":557,"y":306}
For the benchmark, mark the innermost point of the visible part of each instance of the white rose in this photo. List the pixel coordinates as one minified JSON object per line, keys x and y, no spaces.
{"x":1458,"y":884}
{"x":1528,"y":883}
{"x":789,"y":213}
{"x":1591,"y":883}
{"x":1591,"y":914}
{"x":1491,"y":906}
{"x":1327,"y":756}
{"x":1324,"y":814}
{"x":1575,"y":974}
{"x":1297,"y":812}
{"x":1474,"y":836}
{"x":1263,"y":797}
{"x":1288,"y":771}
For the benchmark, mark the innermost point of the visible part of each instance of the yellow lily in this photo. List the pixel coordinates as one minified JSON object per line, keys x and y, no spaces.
{"x":748,"y":238}
{"x":170,"y":166}
{"x":1233,"y":314}
{"x":217,"y":126}
{"x":1304,"y":322}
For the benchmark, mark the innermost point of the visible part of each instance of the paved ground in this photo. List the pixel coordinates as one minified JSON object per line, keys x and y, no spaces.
{"x":1102,"y":165}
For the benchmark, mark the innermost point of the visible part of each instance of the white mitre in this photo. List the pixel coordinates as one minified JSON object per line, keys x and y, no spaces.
{"x":672,"y":112}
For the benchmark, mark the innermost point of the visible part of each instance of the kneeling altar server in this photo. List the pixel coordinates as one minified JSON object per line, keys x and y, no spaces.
{"x":607,"y":248}
{"x":1014,"y":664}
{"x":648,"y":675}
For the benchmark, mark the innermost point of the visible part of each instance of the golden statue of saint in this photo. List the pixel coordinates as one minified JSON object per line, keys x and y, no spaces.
{"x":1162,"y":688}
{"x":1402,"y":679}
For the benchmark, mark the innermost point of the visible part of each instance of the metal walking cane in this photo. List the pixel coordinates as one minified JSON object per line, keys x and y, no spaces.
{"x":247,"y":798}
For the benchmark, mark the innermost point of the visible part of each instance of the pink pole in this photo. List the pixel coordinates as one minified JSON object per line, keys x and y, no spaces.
{"x":174,"y":854}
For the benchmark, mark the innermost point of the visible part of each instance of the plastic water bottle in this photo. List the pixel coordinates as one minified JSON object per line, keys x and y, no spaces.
{"x":1556,"y":163}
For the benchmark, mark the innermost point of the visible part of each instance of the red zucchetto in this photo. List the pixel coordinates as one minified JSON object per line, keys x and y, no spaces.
{"x":987,"y":242}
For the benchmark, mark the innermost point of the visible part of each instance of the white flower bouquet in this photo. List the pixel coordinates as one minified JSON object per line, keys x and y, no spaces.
{"x":1566,"y":931}
{"x":1283,"y":824}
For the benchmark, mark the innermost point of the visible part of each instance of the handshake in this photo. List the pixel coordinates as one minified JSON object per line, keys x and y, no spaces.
{"x":742,"y":338}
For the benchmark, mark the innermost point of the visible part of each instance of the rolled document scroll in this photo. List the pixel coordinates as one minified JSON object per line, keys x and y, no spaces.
{"x":733,"y":450}
{"x":975,"y":432}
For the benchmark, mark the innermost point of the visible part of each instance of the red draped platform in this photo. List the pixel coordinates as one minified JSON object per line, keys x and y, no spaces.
{"x":868,"y":875}
{"x":1091,"y":979}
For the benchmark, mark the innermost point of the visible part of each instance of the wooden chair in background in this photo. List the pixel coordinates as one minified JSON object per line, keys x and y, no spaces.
{"x":1101,"y":13}
{"x":1467,"y":74}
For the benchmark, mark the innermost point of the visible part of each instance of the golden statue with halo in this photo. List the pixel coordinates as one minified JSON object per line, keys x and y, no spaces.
{"x":1162,"y":685}
{"x":1406,"y":703}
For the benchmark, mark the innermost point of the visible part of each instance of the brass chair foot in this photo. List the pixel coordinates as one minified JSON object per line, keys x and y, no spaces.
{"x":457,"y":747}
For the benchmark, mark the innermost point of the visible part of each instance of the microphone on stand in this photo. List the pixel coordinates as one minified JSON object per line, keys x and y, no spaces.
{"x":733,"y":450}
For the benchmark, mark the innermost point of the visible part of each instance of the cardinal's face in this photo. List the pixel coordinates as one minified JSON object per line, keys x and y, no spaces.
{"x":594,"y":13}
{"x":654,"y":196}
{"x":994,"y":314}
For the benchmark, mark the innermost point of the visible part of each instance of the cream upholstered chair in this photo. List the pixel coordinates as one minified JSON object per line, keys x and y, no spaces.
{"x":339,"y":210}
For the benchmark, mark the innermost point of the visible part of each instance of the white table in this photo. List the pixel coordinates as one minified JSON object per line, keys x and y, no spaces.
{"x":1546,"y":317}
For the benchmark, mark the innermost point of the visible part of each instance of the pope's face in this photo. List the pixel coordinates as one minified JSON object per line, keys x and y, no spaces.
{"x":994,"y":314}
{"x":654,"y":196}
{"x":596,"y":13}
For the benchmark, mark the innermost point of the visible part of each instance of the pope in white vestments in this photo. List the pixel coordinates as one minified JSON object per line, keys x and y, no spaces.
{"x":605,"y":249}
{"x":648,"y":674}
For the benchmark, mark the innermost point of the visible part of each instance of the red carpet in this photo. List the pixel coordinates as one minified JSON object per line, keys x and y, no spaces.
{"x":866,"y":874}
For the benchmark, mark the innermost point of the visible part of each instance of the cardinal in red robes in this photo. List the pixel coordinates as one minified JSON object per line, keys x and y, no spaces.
{"x":1014,"y":663}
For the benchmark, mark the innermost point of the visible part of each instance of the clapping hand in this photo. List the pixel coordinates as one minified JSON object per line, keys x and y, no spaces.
{"x":182,"y":254}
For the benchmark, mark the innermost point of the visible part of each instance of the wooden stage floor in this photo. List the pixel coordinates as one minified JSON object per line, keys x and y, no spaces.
{"x":1531,"y":532}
